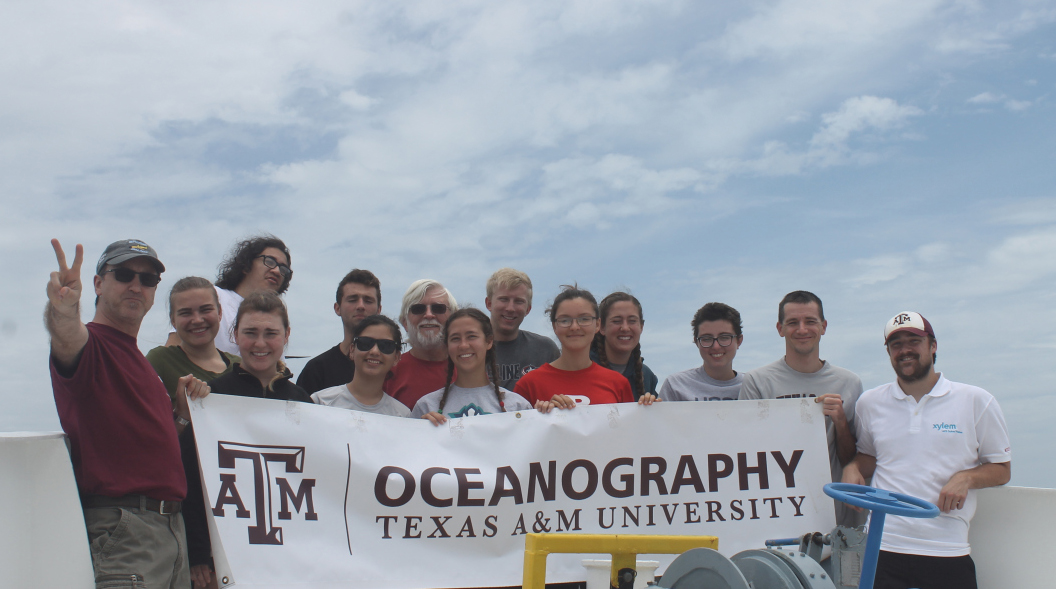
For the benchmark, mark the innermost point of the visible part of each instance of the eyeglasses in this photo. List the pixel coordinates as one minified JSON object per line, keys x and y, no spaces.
{"x":583,"y":321}
{"x":366,"y":344}
{"x":272,"y":263}
{"x":724,"y":339}
{"x":147,"y":279}
{"x":419,"y":308}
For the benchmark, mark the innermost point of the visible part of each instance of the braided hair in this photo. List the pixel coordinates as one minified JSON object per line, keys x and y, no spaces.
{"x":489,"y":356}
{"x":598,"y":345}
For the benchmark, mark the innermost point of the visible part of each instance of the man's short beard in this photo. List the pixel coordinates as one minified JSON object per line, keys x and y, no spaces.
{"x":424,"y":342}
{"x":919,"y":374}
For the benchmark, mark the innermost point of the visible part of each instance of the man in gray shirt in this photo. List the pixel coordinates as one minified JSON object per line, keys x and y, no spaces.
{"x":717,"y":335}
{"x":802,"y":373}
{"x":509,"y":299}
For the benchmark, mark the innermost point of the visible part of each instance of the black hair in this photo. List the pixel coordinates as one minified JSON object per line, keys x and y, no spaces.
{"x":569,"y":292}
{"x":239,"y":261}
{"x":802,"y":297}
{"x":598,"y":345}
{"x":719,"y":312}
{"x":364,"y":277}
{"x":397,"y":336}
{"x":489,"y":356}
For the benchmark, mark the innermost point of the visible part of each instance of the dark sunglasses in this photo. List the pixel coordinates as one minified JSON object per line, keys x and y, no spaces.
{"x":147,"y":279}
{"x":366,"y":344}
{"x":419,"y":308}
{"x":272,"y":263}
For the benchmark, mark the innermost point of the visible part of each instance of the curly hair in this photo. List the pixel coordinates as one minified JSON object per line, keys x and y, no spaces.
{"x":489,"y":356}
{"x":598,"y":345}
{"x":239,"y":261}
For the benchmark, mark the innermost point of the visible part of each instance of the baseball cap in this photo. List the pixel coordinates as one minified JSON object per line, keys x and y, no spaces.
{"x":127,"y":249}
{"x":908,"y":321}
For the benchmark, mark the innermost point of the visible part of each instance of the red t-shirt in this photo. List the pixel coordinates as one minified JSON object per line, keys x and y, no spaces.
{"x":118,"y":416}
{"x":591,"y":386}
{"x":413,"y":379}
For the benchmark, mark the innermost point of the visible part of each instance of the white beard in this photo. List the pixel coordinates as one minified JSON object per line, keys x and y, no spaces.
{"x":424,"y":342}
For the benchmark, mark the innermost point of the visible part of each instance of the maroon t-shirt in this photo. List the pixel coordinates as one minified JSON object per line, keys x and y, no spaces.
{"x":412,"y":379}
{"x":118,"y":416}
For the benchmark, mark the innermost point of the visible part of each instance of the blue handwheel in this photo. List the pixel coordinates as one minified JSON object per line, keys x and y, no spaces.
{"x":881,"y":500}
{"x":881,"y":503}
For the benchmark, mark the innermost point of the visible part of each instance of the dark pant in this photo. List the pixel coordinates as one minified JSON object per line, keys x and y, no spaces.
{"x":913,"y":571}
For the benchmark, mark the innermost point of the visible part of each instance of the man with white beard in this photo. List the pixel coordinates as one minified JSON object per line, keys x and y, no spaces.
{"x":426,"y":307}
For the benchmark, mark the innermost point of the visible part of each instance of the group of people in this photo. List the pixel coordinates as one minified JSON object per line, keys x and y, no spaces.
{"x":136,"y":464}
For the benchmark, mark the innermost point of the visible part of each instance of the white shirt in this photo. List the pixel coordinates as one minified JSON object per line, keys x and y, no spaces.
{"x":919,"y":446}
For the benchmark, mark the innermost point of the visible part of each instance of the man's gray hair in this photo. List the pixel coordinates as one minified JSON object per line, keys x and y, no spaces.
{"x":416,"y":292}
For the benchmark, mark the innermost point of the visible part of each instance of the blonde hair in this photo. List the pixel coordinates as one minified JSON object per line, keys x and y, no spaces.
{"x":509,"y":278}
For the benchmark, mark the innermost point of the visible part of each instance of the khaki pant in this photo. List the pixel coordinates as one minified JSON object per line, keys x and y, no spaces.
{"x":137,"y":548}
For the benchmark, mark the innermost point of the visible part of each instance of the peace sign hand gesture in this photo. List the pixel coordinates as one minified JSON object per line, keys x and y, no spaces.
{"x":64,"y":288}
{"x":63,"y":313}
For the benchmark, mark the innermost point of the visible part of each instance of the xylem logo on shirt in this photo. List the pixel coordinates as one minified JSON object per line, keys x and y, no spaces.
{"x":946,"y":428}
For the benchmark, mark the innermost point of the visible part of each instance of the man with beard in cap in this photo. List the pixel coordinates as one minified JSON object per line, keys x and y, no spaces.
{"x":426,"y":307}
{"x":932,"y":438}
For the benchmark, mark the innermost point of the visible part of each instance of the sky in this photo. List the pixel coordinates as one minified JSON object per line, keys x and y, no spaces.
{"x":888,"y":156}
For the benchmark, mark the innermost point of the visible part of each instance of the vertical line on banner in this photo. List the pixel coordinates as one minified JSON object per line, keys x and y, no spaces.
{"x":348,"y":481}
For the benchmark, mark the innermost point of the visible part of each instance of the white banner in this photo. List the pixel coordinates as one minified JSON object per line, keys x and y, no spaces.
{"x":305,"y":495}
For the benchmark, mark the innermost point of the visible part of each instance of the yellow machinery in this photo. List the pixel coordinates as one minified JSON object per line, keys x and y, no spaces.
{"x":623,"y":548}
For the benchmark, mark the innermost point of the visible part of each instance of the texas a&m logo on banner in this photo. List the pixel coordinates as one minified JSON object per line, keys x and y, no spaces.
{"x":278,"y":484}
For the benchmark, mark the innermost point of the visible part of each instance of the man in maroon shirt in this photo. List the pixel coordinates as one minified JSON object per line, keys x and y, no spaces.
{"x":426,"y":307}
{"x":120,"y":422}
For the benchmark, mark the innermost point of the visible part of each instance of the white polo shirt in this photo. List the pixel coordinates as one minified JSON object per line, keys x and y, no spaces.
{"x":919,"y":446}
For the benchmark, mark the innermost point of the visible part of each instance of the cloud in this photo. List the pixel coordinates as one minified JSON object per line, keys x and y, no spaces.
{"x":862,"y":119}
{"x":1009,"y":103}
{"x":691,"y":151}
{"x":859,"y":114}
{"x":791,"y":28}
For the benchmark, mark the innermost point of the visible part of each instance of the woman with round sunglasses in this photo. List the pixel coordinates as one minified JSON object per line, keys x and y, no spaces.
{"x":375,"y":350}
{"x":574,"y":378}
{"x":617,"y":345}
{"x":260,"y":262}
{"x":470,"y":342}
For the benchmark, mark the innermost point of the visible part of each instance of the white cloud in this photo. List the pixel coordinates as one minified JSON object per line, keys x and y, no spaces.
{"x":790,"y":28}
{"x":831,"y":144}
{"x":691,"y":151}
{"x":985,"y":98}
{"x":1009,"y":103}
{"x":860,"y":114}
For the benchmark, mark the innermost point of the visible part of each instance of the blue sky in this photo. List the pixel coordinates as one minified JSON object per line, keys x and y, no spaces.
{"x":886,"y":155}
